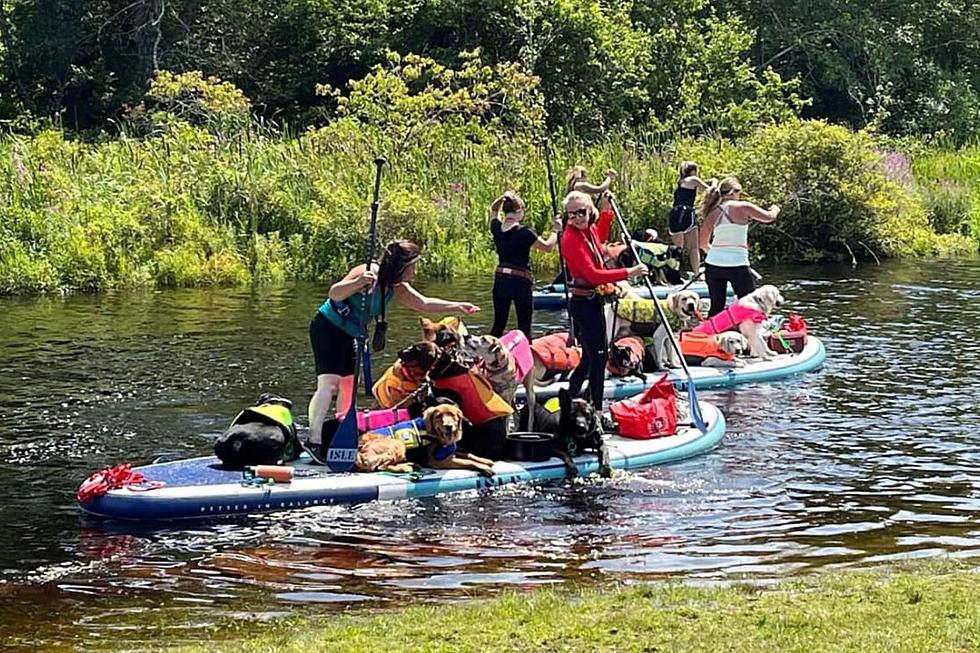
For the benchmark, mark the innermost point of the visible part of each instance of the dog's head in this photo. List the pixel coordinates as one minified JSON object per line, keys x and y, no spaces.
{"x":444,"y":422}
{"x":626,"y":358}
{"x":684,"y":304}
{"x":418,"y":359}
{"x":732,"y":342}
{"x":444,"y":333}
{"x":273,"y":398}
{"x":488,"y":349}
{"x":768,"y":298}
{"x":577,"y":418}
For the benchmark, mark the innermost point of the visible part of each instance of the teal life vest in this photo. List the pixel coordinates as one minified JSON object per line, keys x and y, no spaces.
{"x":349,"y":315}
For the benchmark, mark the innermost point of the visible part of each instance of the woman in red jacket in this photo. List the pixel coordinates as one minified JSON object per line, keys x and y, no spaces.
{"x":583,"y":255}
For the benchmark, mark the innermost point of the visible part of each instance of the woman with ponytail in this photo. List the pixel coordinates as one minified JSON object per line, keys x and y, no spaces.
{"x":361,"y":296}
{"x":513,"y":280}
{"x":724,"y":236}
{"x":683,"y":222}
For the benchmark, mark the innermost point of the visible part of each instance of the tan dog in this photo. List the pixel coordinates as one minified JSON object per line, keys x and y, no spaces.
{"x":746,"y":315}
{"x":445,"y":332}
{"x":377,"y":453}
{"x":496,"y":362}
{"x":638,"y":316}
{"x":444,"y":425}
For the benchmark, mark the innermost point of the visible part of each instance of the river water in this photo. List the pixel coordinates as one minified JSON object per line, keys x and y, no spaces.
{"x":872,"y":459}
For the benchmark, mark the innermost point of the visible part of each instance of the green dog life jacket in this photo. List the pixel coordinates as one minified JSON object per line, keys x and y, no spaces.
{"x":278,"y":415}
{"x":654,"y":255}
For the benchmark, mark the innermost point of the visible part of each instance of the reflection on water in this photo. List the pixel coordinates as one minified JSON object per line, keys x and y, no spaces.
{"x":873,"y":458}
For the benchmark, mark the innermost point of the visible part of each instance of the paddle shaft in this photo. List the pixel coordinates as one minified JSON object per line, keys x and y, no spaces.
{"x":561,"y":258}
{"x":695,"y":409}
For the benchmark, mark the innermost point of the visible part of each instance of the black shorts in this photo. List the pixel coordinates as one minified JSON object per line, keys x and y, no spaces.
{"x":333,"y":350}
{"x":682,"y":220}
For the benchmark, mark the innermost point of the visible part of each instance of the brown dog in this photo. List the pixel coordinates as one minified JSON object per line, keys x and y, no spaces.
{"x":406,"y":375}
{"x":496,"y":363}
{"x":377,"y":453}
{"x":444,"y":425}
{"x":444,"y":333}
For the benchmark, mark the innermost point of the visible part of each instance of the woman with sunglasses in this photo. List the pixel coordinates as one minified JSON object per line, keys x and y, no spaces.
{"x":724,"y":236}
{"x":513,"y":279}
{"x":584,"y":257}
{"x":339,"y":320}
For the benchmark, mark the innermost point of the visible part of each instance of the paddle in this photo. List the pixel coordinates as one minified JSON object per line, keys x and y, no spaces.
{"x":692,"y":394}
{"x":343,"y":445}
{"x":561,"y":258}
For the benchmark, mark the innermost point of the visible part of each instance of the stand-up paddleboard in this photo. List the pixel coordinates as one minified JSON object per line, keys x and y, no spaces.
{"x":552,"y":298}
{"x":200,"y":488}
{"x":754,"y":371}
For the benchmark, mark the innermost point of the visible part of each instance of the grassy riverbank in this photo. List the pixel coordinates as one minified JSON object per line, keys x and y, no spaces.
{"x":189,"y":207}
{"x":922,"y":607}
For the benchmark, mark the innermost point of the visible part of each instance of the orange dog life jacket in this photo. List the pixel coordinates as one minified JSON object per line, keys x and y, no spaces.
{"x":477,"y":400}
{"x":554,"y":352}
{"x":392,"y":387}
{"x":698,"y":346}
{"x":636,"y":346}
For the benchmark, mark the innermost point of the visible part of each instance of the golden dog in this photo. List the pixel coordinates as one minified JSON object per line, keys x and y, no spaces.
{"x":444,"y":425}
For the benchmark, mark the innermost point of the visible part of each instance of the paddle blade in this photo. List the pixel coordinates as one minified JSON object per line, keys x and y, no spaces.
{"x":692,"y":399}
{"x":343,"y":445}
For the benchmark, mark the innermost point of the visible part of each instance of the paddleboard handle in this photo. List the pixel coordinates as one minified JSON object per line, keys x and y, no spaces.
{"x":276,"y":473}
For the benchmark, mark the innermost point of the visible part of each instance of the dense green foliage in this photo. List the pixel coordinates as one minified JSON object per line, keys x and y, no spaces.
{"x":125,"y":171}
{"x":931,"y":608}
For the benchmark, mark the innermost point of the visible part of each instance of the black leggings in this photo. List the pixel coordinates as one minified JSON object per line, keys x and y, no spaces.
{"x":507,"y":290}
{"x":590,"y":329}
{"x":717,"y":278}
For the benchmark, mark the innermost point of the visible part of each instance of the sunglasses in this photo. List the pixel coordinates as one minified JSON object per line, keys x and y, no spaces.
{"x":578,"y":213}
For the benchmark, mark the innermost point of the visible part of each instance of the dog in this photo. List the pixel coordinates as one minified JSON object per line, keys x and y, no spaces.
{"x":578,"y":432}
{"x":377,"y":452}
{"x":496,"y":363}
{"x":445,"y":333}
{"x":664,"y":261}
{"x":261,"y":435}
{"x":406,"y":375}
{"x":638,"y":316}
{"x":746,"y":315}
{"x":553,"y":358}
{"x":626,"y":357}
{"x":720,"y":350}
{"x":444,"y":425}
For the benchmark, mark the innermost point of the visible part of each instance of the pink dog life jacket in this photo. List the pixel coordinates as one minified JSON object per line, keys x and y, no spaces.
{"x":729,"y":319}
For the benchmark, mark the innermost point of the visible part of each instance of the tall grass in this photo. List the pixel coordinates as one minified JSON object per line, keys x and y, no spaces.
{"x":189,"y":207}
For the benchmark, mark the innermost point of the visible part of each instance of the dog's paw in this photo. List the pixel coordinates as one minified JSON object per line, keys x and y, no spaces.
{"x":605,"y":471}
{"x":485,"y":471}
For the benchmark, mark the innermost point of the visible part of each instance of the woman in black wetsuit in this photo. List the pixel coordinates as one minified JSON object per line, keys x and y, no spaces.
{"x":683,"y":224}
{"x":513,"y":280}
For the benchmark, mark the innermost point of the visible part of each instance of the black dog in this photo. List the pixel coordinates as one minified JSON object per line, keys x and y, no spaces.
{"x":665,"y":268}
{"x":579,"y":431}
{"x":258,"y":438}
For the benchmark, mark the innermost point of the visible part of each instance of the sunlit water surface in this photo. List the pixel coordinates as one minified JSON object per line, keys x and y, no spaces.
{"x":872,"y":459}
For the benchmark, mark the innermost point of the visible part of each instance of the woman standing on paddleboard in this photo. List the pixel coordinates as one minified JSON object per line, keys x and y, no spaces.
{"x":513,"y":279}
{"x":724,"y":236}
{"x":589,"y":281}
{"x":341,"y":317}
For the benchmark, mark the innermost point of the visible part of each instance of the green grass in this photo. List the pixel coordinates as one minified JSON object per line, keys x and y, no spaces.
{"x":926,"y":607}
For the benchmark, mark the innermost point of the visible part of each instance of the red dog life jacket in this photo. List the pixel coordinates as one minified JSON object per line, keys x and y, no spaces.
{"x":698,"y":346}
{"x":554,"y":352}
{"x":477,"y":400}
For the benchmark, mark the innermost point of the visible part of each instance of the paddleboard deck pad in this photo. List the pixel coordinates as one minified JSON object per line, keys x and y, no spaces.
{"x":754,"y":371}
{"x":198,"y":488}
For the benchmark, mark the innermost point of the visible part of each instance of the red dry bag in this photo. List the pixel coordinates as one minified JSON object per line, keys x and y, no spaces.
{"x":652,"y":414}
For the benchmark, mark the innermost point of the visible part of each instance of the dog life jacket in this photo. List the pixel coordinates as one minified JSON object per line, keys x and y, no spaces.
{"x":696,"y":347}
{"x":476,"y":397}
{"x":275,"y":415}
{"x":634,"y":347}
{"x":393,"y":387}
{"x":643,"y":312}
{"x":656,"y":255}
{"x":411,"y":433}
{"x":553,"y":351}
{"x":730,"y":318}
